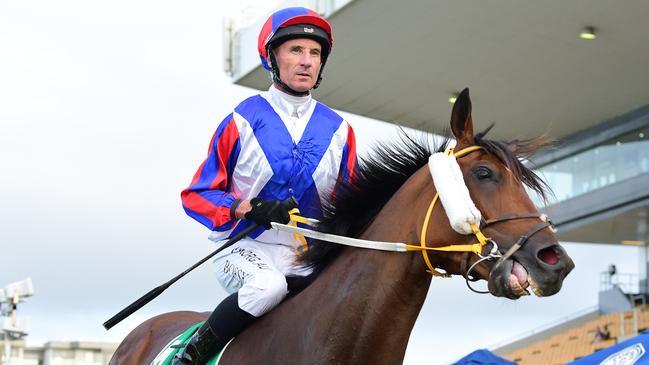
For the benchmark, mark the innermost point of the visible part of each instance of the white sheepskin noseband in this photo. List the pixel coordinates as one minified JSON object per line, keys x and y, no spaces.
{"x":453,"y":192}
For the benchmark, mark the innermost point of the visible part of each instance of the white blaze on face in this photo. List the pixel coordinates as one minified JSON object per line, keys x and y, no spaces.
{"x":453,"y":193}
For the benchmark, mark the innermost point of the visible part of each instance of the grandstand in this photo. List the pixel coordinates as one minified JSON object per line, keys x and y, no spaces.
{"x":577,"y":342}
{"x":624,"y":314}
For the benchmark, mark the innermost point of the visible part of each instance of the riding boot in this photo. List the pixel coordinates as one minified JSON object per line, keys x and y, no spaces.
{"x":227,"y":321}
{"x":200,"y":348}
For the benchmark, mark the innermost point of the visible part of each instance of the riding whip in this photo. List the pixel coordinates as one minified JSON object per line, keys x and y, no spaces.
{"x":289,"y":203}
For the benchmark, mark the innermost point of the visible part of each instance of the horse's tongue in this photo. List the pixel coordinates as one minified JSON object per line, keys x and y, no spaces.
{"x":519,"y":272}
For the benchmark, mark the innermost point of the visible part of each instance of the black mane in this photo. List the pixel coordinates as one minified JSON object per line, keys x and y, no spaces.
{"x":383,"y":172}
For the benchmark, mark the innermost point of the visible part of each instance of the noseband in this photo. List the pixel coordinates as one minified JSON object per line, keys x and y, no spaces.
{"x":482,"y":240}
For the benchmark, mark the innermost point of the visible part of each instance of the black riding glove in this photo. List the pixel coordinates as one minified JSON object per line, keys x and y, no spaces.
{"x":264,"y":212}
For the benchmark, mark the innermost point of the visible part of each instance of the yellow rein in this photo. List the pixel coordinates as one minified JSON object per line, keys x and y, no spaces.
{"x":476,"y":248}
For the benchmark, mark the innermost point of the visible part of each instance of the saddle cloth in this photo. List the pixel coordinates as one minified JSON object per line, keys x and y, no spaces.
{"x":176,"y":345}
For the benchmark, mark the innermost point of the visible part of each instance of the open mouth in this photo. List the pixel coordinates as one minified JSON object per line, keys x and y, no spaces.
{"x":541,"y":274}
{"x":520,"y":280}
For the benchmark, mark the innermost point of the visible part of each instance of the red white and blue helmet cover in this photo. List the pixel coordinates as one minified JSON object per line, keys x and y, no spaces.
{"x":286,"y":17}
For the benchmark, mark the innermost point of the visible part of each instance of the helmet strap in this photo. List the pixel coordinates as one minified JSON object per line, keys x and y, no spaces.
{"x":277,"y":80}
{"x":317,"y":83}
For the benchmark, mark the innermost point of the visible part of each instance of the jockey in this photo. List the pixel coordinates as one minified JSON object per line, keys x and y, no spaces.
{"x":279,"y":144}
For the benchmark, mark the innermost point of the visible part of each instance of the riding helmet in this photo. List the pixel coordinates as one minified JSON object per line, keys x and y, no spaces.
{"x":291,"y":23}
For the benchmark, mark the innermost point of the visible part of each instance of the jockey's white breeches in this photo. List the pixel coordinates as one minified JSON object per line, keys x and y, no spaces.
{"x":258,"y":272}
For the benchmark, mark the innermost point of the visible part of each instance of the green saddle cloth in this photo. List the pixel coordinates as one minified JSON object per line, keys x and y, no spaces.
{"x":172,"y":348}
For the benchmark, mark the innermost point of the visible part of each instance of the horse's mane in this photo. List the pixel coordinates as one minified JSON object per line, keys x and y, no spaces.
{"x":386,"y":168}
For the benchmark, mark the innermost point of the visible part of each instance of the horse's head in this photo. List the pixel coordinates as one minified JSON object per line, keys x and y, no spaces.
{"x":529,"y":253}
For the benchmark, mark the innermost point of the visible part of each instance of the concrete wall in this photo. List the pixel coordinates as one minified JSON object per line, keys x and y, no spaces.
{"x":613,"y":300}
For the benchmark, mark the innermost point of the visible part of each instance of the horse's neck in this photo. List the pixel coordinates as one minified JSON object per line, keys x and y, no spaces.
{"x":372,"y":298}
{"x":360,"y":310}
{"x":362,"y":307}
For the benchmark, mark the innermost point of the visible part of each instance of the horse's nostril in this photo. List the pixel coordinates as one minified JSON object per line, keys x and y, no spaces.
{"x":549,"y":255}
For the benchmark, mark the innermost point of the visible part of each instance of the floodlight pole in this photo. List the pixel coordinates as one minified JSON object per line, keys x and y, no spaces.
{"x":22,"y":289}
{"x":6,"y":356}
{"x":5,"y":338}
{"x":7,"y":350}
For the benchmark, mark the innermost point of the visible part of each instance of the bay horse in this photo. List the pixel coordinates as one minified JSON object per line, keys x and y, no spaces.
{"x":360,"y":305}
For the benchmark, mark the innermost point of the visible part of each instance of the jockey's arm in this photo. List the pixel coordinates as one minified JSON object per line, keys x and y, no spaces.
{"x":207,"y":198}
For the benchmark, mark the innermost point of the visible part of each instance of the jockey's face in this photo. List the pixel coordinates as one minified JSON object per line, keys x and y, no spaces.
{"x":298,"y":61}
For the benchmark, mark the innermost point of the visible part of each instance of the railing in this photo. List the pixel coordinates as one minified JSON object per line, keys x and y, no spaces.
{"x":628,"y":283}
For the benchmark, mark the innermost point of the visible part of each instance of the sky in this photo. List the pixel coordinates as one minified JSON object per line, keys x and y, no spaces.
{"x":106,"y":111}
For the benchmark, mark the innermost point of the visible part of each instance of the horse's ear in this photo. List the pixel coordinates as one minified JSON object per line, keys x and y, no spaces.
{"x":461,"y":122}
{"x":513,"y":145}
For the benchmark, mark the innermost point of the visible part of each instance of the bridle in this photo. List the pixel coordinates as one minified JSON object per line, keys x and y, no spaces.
{"x":482,"y":240}
{"x":476,"y":248}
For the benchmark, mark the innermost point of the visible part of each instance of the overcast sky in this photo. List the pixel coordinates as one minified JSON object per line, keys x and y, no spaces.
{"x":106,"y":110}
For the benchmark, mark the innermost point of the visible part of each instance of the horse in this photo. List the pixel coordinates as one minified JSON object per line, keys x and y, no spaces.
{"x":360,"y":305}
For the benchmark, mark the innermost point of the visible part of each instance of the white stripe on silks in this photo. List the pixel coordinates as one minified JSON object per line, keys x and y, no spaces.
{"x":251,"y":172}
{"x":325,"y":175}
{"x":453,"y":192}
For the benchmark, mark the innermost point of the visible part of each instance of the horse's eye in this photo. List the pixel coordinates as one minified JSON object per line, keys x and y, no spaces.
{"x":482,"y":173}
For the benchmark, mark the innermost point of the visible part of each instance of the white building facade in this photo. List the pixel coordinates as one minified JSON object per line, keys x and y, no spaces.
{"x":61,"y":353}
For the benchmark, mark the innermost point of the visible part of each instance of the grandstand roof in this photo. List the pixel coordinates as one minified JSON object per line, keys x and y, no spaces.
{"x":524,"y":62}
